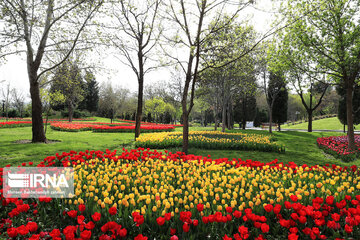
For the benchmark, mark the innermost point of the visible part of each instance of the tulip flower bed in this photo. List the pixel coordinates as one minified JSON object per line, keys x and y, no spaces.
{"x":338,"y":146}
{"x":107,"y":127}
{"x":148,"y":123}
{"x":210,"y":140}
{"x":142,"y":194}
{"x":28,"y":123}
{"x":14,"y":124}
{"x":144,"y":128}
{"x":74,"y":119}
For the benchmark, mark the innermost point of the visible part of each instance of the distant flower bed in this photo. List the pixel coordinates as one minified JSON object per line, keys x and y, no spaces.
{"x":21,"y":122}
{"x":108,"y":127}
{"x":211,"y":140}
{"x":71,"y":127}
{"x":144,"y":128}
{"x":14,"y":124}
{"x":148,"y":123}
{"x":143,"y":194}
{"x":74,"y":119}
{"x":338,"y":146}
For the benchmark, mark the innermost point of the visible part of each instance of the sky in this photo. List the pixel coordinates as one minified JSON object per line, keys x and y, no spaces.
{"x":14,"y":69}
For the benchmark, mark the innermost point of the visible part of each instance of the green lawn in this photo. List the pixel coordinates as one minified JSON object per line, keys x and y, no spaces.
{"x":322,"y":124}
{"x":300,"y":146}
{"x":15,"y":153}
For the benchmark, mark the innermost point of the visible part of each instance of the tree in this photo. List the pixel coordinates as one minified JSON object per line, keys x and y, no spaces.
{"x":330,"y":103}
{"x":156,"y":107}
{"x":69,"y":82}
{"x":328,"y":32}
{"x":40,"y":29}
{"x":49,"y":99}
{"x":273,"y":89}
{"x":6,"y":100}
{"x":315,"y":96}
{"x":18,"y":101}
{"x":296,"y":65}
{"x":200,"y":107}
{"x":135,"y":38}
{"x":91,"y":96}
{"x":191,"y":37}
{"x":244,"y":109}
{"x":295,"y":109}
{"x":113,"y":100}
{"x":342,"y":105}
{"x":169,"y":113}
{"x":222,"y":85}
{"x":279,"y":109}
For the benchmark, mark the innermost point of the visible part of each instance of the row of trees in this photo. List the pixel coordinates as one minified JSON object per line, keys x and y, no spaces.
{"x":78,"y":88}
{"x":13,"y":102}
{"x":318,"y":46}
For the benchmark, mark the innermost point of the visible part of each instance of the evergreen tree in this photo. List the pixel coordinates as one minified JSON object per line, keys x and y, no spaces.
{"x":91,"y":98}
{"x":277,"y":85}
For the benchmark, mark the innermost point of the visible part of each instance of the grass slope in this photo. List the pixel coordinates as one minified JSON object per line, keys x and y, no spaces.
{"x":322,"y":124}
{"x":300,"y":146}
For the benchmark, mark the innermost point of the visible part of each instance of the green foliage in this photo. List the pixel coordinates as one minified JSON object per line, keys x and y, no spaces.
{"x":325,"y":34}
{"x":51,"y":98}
{"x":245,"y":109}
{"x":261,"y":116}
{"x":159,"y":111}
{"x":68,"y":82}
{"x":342,"y":104}
{"x":114,"y":100}
{"x":76,"y":114}
{"x":223,"y":84}
{"x":91,"y":96}
{"x":278,"y":91}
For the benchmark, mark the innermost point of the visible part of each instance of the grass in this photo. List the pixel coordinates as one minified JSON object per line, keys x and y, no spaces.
{"x":321,"y":124}
{"x":301,"y":147}
{"x":16,"y":153}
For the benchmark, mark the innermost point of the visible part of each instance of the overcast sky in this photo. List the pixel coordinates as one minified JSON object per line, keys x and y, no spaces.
{"x":14,"y":69}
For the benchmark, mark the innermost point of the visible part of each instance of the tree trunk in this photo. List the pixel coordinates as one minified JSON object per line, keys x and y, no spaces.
{"x":310,"y":117}
{"x":229,"y":125}
{"x":244,"y":114}
{"x":223,"y":117}
{"x":71,"y":112}
{"x":139,"y":108}
{"x":344,"y":128}
{"x":38,"y":134}
{"x":310,"y":112}
{"x":202,"y":119}
{"x":47,"y":119}
{"x":185,"y":131}
{"x":279,"y":127}
{"x":7,"y":110}
{"x":270,"y":119}
{"x":215,"y":120}
{"x":349,"y":115}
